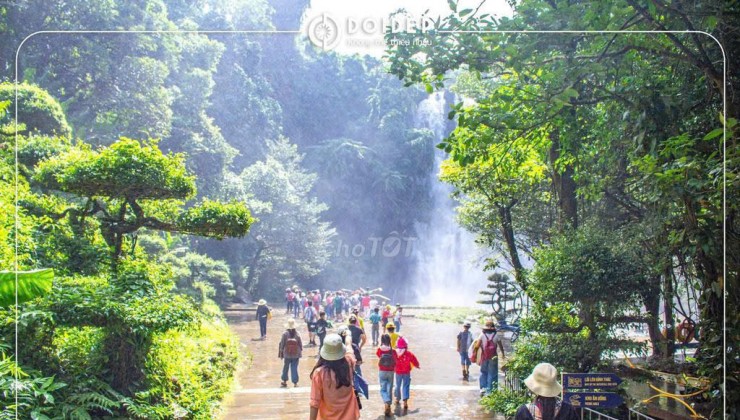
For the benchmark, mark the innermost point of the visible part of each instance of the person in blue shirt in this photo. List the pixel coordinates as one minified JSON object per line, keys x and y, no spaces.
{"x":375,"y":319}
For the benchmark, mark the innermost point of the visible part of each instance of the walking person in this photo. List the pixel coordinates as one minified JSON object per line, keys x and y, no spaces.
{"x":405,"y":360}
{"x":310,"y":315}
{"x":464,"y":341}
{"x":338,"y":306}
{"x":375,"y":322}
{"x":332,"y":381}
{"x":485,"y":350}
{"x":322,"y":325}
{"x":391,"y":328}
{"x":397,"y":317}
{"x":290,"y":350}
{"x":385,"y":316}
{"x":263,"y":314}
{"x":358,"y":341}
{"x":386,"y":368}
{"x":543,"y":383}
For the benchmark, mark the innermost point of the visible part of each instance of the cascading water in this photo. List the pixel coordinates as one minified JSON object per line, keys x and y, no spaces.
{"x":449,"y":264}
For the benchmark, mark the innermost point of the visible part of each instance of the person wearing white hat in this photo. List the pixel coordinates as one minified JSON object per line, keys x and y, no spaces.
{"x":263,"y":314}
{"x":543,"y":383}
{"x":332,"y":381}
{"x":290,"y":350}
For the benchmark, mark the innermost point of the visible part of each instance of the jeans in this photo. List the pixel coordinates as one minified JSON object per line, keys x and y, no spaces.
{"x":263,"y":326}
{"x":403,"y":383}
{"x":376,"y":333}
{"x":464,"y":358}
{"x":321,"y":340}
{"x":489,"y":374}
{"x":386,"y":385}
{"x":398,"y":325}
{"x":293,"y":364}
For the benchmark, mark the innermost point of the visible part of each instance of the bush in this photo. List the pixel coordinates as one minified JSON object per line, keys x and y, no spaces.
{"x":37,"y":110}
{"x":192,"y":371}
{"x":504,"y":402}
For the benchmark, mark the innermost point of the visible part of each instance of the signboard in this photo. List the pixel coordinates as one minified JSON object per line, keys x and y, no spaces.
{"x":590,"y":380}
{"x":593,"y":399}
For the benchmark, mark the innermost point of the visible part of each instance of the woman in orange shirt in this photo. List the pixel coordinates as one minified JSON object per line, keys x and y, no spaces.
{"x":332,"y":388}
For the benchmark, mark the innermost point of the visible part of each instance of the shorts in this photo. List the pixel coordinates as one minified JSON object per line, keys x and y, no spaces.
{"x":464,"y":358}
{"x":311,"y":327}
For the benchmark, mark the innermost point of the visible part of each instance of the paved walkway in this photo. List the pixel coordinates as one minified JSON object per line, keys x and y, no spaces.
{"x":437,"y":389}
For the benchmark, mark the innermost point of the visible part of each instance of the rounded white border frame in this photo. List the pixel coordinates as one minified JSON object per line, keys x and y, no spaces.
{"x":210,"y":32}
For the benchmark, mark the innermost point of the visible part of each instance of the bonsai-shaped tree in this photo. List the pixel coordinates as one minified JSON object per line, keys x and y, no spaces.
{"x":130,"y":185}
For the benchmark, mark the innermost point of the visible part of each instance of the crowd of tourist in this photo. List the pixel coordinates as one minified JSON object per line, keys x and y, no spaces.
{"x":339,"y":380}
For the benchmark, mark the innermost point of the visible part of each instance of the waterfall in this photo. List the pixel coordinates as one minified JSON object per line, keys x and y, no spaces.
{"x":448,"y":268}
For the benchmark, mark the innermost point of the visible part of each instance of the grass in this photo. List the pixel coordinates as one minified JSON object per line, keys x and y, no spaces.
{"x":453,"y":315}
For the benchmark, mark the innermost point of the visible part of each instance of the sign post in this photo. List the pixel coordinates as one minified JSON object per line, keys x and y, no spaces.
{"x":582,"y":390}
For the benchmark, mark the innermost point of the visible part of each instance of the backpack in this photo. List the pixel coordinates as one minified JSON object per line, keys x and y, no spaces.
{"x":386,"y":360}
{"x":291,"y":349}
{"x":489,"y":349}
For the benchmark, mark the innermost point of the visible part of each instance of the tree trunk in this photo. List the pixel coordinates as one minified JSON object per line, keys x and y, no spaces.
{"x":651,"y":299}
{"x":670,"y":329}
{"x":126,"y":353}
{"x":564,"y":185}
{"x":253,"y":266}
{"x":507,"y":230}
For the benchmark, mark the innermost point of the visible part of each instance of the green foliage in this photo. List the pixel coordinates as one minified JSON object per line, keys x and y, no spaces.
{"x":38,"y":112}
{"x":290,"y":241}
{"x":501,"y":401}
{"x":30,"y":285}
{"x":216,"y":220}
{"x":192,"y":370}
{"x":126,"y":169}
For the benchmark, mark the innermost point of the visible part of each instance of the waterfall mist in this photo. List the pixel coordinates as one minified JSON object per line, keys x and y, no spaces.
{"x":449,"y":264}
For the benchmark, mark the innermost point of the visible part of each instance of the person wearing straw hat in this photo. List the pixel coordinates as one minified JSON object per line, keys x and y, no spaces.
{"x":332,"y":381}
{"x":290,"y":350}
{"x":263,"y":314}
{"x":543,"y":383}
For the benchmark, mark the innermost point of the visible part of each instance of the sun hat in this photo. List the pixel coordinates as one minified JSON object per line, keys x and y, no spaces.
{"x":262,"y":302}
{"x":489,"y":325}
{"x":402,"y":344}
{"x":333,"y":348}
{"x":390,"y":326}
{"x":290,"y":325}
{"x":466,"y":324}
{"x":387,"y":306}
{"x":544,"y":381}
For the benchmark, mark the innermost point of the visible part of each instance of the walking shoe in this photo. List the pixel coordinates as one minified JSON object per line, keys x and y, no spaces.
{"x":295,"y":384}
{"x":283,"y":384}
{"x":387,"y":410}
{"x":405,"y":405}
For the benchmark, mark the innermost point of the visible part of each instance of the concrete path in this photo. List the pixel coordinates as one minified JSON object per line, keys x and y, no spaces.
{"x":437,"y":389}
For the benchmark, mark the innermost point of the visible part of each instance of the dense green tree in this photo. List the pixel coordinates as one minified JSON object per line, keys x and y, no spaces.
{"x":630,"y":123}
{"x":290,"y":240}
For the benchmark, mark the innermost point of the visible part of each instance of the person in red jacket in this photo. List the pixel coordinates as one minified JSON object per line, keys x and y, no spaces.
{"x":386,"y":366}
{"x":404,"y":361}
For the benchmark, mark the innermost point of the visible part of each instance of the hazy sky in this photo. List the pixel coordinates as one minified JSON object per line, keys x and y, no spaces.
{"x":360,"y":23}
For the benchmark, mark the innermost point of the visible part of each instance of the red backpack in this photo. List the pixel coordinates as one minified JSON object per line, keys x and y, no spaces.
{"x":489,"y":349}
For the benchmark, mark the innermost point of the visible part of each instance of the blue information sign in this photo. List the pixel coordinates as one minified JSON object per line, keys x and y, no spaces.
{"x":590,"y":380}
{"x":593,"y":399}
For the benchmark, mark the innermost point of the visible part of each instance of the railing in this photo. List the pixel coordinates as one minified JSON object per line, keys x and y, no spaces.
{"x":513,"y":384}
{"x":638,"y":415}
{"x":592,"y":414}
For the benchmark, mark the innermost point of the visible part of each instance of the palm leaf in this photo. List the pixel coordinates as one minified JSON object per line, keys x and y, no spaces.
{"x":31,"y":284}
